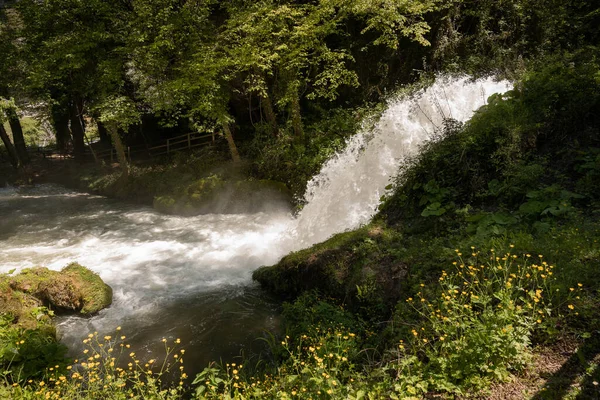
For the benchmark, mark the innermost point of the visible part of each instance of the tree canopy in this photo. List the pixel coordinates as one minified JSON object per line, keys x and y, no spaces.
{"x":218,"y":66}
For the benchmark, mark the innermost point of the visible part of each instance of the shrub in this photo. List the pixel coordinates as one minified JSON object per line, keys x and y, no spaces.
{"x":25,"y":353}
{"x":108,"y":371}
{"x":318,"y":366}
{"x":478,"y":326}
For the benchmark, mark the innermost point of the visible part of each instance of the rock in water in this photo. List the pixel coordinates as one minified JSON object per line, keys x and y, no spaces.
{"x":75,"y":288}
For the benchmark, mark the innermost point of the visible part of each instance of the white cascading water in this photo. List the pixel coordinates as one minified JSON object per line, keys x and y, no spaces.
{"x":190,"y":277}
{"x":348,"y":189}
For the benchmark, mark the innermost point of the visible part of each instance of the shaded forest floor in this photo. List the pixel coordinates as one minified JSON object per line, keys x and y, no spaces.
{"x":567,"y":369}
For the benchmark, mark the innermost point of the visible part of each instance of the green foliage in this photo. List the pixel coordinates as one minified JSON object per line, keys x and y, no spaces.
{"x":6,"y":105}
{"x":479,"y":325}
{"x":434,"y":199}
{"x":118,"y":111}
{"x":26,"y":353}
{"x":295,"y":162}
{"x":318,"y":366}
{"x":505,"y":157}
{"x":107,"y":369}
{"x":34,"y":133}
{"x":168,"y":178}
{"x":309,"y":313}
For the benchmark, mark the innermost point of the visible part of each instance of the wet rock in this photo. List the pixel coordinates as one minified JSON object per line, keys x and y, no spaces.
{"x":352,"y":267}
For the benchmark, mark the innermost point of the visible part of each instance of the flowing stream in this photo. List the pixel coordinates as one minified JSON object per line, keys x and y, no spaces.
{"x":190,"y":277}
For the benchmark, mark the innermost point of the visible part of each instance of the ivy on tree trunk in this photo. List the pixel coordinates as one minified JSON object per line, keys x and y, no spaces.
{"x":78,"y":133}
{"x":17,"y":131}
{"x":230,"y":142}
{"x":267,"y":105}
{"x":116,"y":139}
{"x":12,"y":152}
{"x":296,"y":115}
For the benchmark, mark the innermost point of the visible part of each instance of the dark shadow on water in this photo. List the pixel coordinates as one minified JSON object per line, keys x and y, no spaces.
{"x":580,"y":363}
{"x":212,"y":327}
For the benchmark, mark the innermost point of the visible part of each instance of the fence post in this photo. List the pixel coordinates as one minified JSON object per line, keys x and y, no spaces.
{"x":111,"y":155}
{"x":129,"y":153}
{"x":168,"y":146}
{"x":213,"y":137}
{"x":189,"y":141}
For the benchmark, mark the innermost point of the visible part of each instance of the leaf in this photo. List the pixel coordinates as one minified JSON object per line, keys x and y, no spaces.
{"x":434,"y":209}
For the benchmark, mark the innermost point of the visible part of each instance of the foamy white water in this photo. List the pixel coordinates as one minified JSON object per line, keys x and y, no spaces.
{"x":190,"y":277}
{"x":346,"y":193}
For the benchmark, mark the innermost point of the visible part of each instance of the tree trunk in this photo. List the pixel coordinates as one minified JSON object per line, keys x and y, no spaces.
{"x":103,"y":133}
{"x":296,"y":115}
{"x":270,"y":114}
{"x":78,"y":134}
{"x":116,"y":139}
{"x":12,"y":152}
{"x":60,"y":122}
{"x":232,"y":147}
{"x":17,"y":131}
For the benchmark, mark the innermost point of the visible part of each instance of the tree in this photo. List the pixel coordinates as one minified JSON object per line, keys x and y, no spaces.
{"x":10,"y":149}
{"x":74,"y":52}
{"x":10,"y":75}
{"x":9,"y":108}
{"x":299,"y":47}
{"x":118,"y":113}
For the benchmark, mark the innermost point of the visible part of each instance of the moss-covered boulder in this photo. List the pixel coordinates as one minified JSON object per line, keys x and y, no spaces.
{"x":28,"y":300}
{"x":352,"y":267}
{"x":20,"y":308}
{"x":75,"y":288}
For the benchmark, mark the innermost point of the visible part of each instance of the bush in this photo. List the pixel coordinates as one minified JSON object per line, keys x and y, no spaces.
{"x":108,"y":371}
{"x":25,"y":353}
{"x":317,"y":366}
{"x":540,"y":137}
{"x":477,"y":326}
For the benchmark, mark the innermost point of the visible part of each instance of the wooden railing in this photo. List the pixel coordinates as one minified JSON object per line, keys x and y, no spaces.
{"x":178,"y":143}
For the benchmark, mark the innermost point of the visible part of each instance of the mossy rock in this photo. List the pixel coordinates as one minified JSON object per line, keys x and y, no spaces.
{"x":96,"y":295}
{"x":20,"y":307}
{"x":352,"y":267}
{"x":164,"y":204}
{"x":75,"y":288}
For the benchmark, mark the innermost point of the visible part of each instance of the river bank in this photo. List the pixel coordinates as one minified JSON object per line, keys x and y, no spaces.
{"x":205,"y":181}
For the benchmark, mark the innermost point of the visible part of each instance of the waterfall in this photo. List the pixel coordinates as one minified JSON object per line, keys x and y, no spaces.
{"x":347,"y":191}
{"x":191,"y":277}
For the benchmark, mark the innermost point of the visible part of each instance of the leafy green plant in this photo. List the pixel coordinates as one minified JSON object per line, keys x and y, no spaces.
{"x":478,"y":326}
{"x":318,"y":366}
{"x":435,"y":199}
{"x":25,"y":353}
{"x":549,"y":201}
{"x":108,"y":369}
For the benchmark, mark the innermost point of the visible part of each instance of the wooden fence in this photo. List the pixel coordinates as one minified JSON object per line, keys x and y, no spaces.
{"x":179,"y":143}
